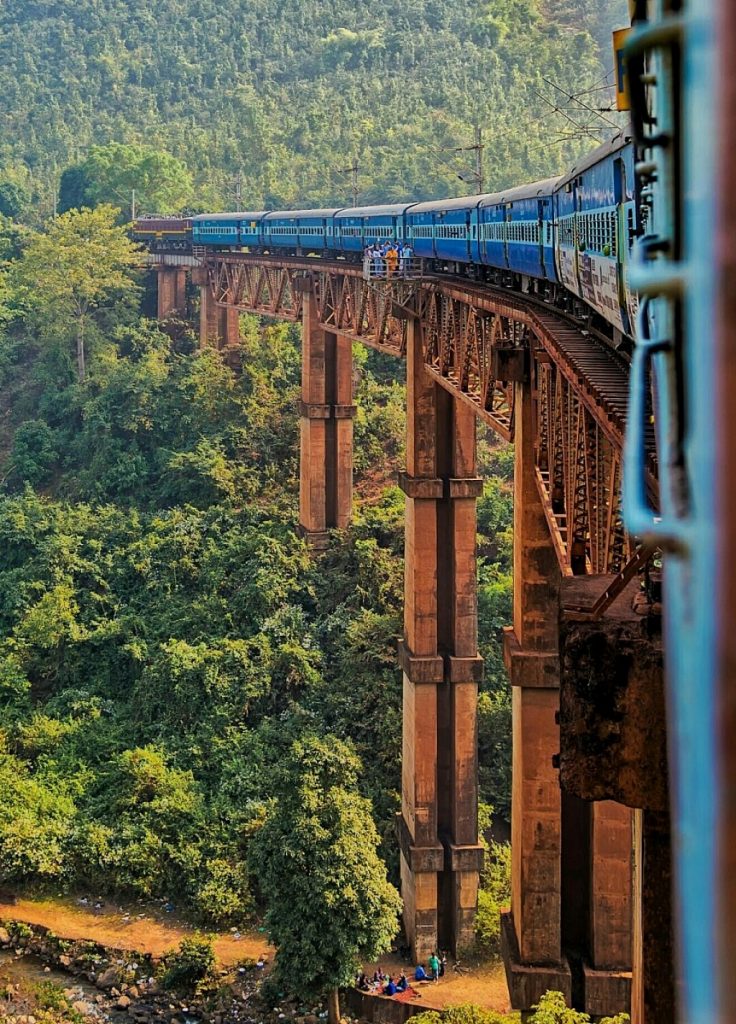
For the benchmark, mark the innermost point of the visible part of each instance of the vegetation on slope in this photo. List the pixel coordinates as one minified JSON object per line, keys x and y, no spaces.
{"x":164,"y":636}
{"x":286,"y":93}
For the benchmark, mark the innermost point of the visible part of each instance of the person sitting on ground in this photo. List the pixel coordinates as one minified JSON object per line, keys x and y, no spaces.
{"x":390,"y":989}
{"x":434,"y":966}
{"x":402,"y":984}
{"x":378,"y":975}
{"x":420,"y":974}
{"x":362,"y":983}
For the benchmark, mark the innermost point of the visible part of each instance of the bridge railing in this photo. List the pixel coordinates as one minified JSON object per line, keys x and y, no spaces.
{"x":406,"y":268}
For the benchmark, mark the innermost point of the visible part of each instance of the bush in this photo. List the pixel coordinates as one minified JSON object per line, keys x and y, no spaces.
{"x":224,"y":898}
{"x":34,"y":453}
{"x":183,"y":969}
{"x":466,"y":1013}
{"x":552,"y":1009}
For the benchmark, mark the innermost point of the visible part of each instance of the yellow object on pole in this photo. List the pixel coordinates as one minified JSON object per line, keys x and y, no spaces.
{"x":623,"y":100}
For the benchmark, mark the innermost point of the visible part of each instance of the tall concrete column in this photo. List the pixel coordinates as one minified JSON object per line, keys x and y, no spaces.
{"x":458,"y":640}
{"x":607,"y":978}
{"x":326,"y":474}
{"x":531,"y":933}
{"x":422,"y":855}
{"x":653,"y":989}
{"x":209,"y":326}
{"x":440,"y":854}
{"x":172,"y":285}
{"x":228,"y":327}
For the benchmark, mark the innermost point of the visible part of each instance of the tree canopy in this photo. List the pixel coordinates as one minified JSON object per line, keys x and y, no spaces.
{"x":272,"y":101}
{"x":80,"y":264}
{"x":329,"y":905}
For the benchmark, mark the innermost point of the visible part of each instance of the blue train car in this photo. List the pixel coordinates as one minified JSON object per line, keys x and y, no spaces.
{"x":442,"y":229}
{"x":516,"y":229}
{"x":306,"y":230}
{"x":251,"y":228}
{"x":595,"y":211}
{"x":220,"y":229}
{"x":357,"y":227}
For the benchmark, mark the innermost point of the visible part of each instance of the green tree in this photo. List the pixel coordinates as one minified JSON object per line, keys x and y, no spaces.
{"x":153,"y":181}
{"x":552,"y":1009}
{"x":81,"y":263}
{"x":73,"y":187}
{"x":329,"y":903}
{"x":13,"y":199}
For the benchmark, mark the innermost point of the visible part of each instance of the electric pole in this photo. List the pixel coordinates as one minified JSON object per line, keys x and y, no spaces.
{"x":353,"y":170}
{"x":474,"y":177}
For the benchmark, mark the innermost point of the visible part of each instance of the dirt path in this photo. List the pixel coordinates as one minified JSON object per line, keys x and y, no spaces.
{"x":138,"y":927}
{"x":483,"y":984}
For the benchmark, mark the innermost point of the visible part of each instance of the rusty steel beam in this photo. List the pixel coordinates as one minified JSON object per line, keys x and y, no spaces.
{"x":479,"y":341}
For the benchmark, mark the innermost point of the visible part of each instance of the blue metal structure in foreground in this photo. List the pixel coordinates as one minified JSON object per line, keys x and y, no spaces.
{"x":673,"y":57}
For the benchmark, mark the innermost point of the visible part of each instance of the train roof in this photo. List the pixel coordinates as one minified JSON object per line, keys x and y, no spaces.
{"x":618,"y":142}
{"x":240,"y":215}
{"x":461,"y":203}
{"x":301,"y":214}
{"x":389,"y":210}
{"x":511,"y":195}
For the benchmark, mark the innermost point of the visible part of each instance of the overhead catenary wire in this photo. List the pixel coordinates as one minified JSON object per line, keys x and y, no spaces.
{"x":574,"y":99}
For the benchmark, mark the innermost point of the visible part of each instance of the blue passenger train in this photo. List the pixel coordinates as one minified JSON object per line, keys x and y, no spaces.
{"x":562,"y":238}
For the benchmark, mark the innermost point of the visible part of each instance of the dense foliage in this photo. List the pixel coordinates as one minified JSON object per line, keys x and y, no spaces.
{"x":329,"y":904}
{"x":286,"y":93}
{"x":164,"y":635}
{"x":165,"y":638}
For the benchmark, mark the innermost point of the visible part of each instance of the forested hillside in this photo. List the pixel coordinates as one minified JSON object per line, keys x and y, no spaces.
{"x":164,"y":635}
{"x":287,"y":93}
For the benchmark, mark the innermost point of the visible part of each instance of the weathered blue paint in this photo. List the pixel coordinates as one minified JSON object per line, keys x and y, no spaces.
{"x":686,"y":529}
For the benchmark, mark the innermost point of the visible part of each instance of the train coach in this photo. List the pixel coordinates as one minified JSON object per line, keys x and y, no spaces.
{"x":557,"y":238}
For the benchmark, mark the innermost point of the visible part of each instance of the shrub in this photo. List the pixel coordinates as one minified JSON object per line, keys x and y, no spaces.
{"x":184,"y":968}
{"x":465,"y":1013}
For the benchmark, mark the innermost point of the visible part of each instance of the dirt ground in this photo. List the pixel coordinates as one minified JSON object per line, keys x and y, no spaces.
{"x":143,"y":927}
{"x":480,"y":982}
{"x":149,"y":928}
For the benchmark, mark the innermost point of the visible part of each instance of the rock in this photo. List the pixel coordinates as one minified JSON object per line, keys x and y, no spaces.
{"x":153,"y":987}
{"x":115,"y":992}
{"x":109,"y":977}
{"x":123,"y":1003}
{"x":134,"y":992}
{"x":65,"y":961}
{"x":81,"y":1006}
{"x":4,"y":937}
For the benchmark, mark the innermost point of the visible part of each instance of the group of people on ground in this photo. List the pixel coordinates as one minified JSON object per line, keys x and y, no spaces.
{"x":382,"y":983}
{"x":387,"y":259}
{"x":436,"y":964}
{"x":387,"y":985}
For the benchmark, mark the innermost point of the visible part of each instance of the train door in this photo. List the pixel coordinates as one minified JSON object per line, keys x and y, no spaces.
{"x":625,"y":234}
{"x":541,"y":218}
{"x":506,"y":232}
{"x":577,"y":231}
